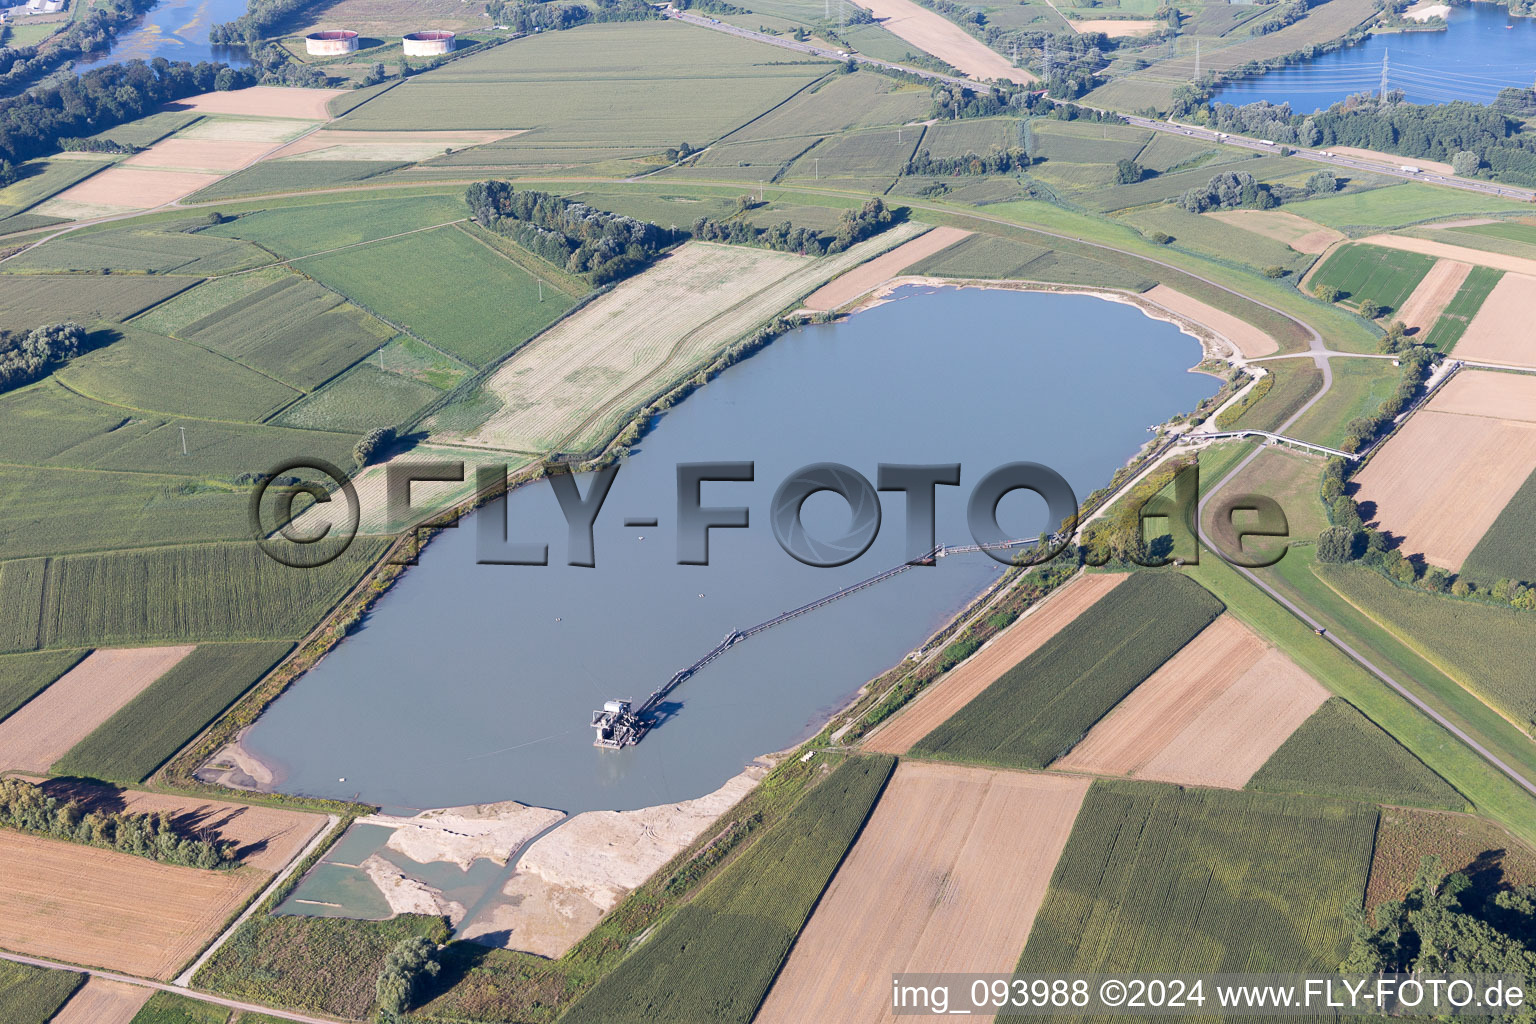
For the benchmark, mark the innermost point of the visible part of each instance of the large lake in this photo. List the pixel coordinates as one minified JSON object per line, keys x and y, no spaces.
{"x":1481,"y":51}
{"x":474,"y":683}
{"x":175,"y":30}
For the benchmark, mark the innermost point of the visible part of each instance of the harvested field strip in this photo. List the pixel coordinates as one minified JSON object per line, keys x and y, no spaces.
{"x":968,"y":679}
{"x":1490,"y":856}
{"x":932,"y":33}
{"x":263,"y":101}
{"x":1340,"y":752}
{"x":1463,"y":309}
{"x":107,"y":909}
{"x":128,"y":188}
{"x":1211,"y":716}
{"x":716,"y":956}
{"x":1044,"y":705}
{"x":104,"y":1002}
{"x":1506,"y":552}
{"x":1423,"y":308}
{"x":862,"y":280}
{"x":1497,"y":329}
{"x":1297,"y":232}
{"x":22,"y":676}
{"x":32,"y":995}
{"x":1250,"y":340}
{"x":1442,"y":480}
{"x":49,"y":724}
{"x":184,"y":154}
{"x":147,"y":732}
{"x":1159,"y":879}
{"x":947,"y":877}
{"x":1479,"y":257}
{"x":572,"y":387}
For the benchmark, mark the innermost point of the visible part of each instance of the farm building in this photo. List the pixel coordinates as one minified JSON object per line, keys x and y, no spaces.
{"x":428,"y":44}
{"x":44,"y":6}
{"x":330,"y":42}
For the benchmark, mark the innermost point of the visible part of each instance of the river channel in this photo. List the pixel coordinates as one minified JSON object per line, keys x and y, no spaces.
{"x":473,"y":683}
{"x":175,"y":30}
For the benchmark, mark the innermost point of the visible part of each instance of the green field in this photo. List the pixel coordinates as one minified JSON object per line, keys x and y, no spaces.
{"x":1170,"y":186}
{"x":842,"y":103}
{"x":299,"y":229}
{"x":149,"y":130}
{"x":168,"y":1008}
{"x":988,"y":257}
{"x":32,"y":995}
{"x":1087,"y":143}
{"x":1396,"y":205}
{"x":1158,"y":879}
{"x":362,"y":398}
{"x":144,"y":372}
{"x":1488,"y":650}
{"x":1039,"y":709}
{"x":1515,"y":231}
{"x":292,"y":176}
{"x":1458,"y":313}
{"x":293,"y":329}
{"x":715,"y":958}
{"x":24,"y":676}
{"x":1505,"y":551}
{"x":44,"y":178}
{"x":151,"y":728}
{"x":1296,"y":380}
{"x":973,"y":135}
{"x":1370,"y":273}
{"x":1340,"y":752}
{"x":170,"y":595}
{"x":1207,"y":236}
{"x":140,"y":251}
{"x":862,"y":156}
{"x":624,"y":90}
{"x":452,"y":290}
{"x":28,"y":302}
{"x":1359,"y":386}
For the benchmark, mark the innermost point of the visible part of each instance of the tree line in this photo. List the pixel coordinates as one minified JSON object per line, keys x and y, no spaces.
{"x":605,"y":246}
{"x":852,"y":227}
{"x":997,"y":160}
{"x":26,"y":358}
{"x":26,"y":808}
{"x":532,"y":16}
{"x":258,"y":22}
{"x":92,"y":32}
{"x":33,"y":123}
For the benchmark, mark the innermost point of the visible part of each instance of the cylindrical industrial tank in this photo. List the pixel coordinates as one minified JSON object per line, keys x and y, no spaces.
{"x":428,"y":44}
{"x":331,"y":42}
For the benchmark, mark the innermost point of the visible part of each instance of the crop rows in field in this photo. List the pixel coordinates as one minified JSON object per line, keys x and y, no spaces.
{"x":125,"y":249}
{"x":1340,"y":752}
{"x":863,"y":99}
{"x":293,"y":176}
{"x":45,"y":178}
{"x":362,"y":398}
{"x":28,"y":302}
{"x":572,"y":386}
{"x":1505,"y":551}
{"x":151,"y":728}
{"x":1039,"y":709}
{"x":1158,"y":879}
{"x":1458,"y":313}
{"x":23,"y":676}
{"x":1487,"y":649}
{"x":1084,"y":143}
{"x":170,"y":594}
{"x":972,"y":135}
{"x":1369,"y":273}
{"x":32,"y":995}
{"x":715,"y":958}
{"x":301,"y":228}
{"x":879,"y":153}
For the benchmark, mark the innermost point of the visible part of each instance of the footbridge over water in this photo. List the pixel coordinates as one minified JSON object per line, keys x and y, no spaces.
{"x":1221,"y":435}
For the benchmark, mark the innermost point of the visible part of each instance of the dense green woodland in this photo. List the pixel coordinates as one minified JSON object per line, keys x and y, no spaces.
{"x":25,"y":807}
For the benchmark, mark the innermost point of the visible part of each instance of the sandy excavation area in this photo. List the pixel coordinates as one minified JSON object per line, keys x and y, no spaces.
{"x":1444,"y":478}
{"x":1422,"y":308}
{"x":100,"y":1001}
{"x":1501,"y":332}
{"x":947,"y":876}
{"x":1211,"y":716}
{"x":1295,"y":231}
{"x":1444,"y":250}
{"x":566,"y":882}
{"x":407,"y":895}
{"x":1248,"y":339}
{"x":107,"y":909}
{"x":862,"y":280}
{"x":935,"y":34}
{"x":965,"y":681}
{"x":264,"y":101}
{"x":46,"y":727}
{"x":461,"y":835}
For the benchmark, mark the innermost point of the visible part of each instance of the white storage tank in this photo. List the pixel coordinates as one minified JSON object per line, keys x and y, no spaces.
{"x":431,"y":43}
{"x":330,"y":42}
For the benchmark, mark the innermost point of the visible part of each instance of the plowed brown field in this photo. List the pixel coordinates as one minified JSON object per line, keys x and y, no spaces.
{"x":100,"y":1001}
{"x":197,"y":155}
{"x":1429,"y":299}
{"x":957,"y":689}
{"x":1444,"y":478}
{"x":263,"y":101}
{"x":862,"y":280}
{"x":947,"y":876}
{"x":1211,"y":716}
{"x":106,"y":909}
{"x":1501,"y":330}
{"x":44,"y":729}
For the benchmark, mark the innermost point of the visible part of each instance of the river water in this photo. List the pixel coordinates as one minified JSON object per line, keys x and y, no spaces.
{"x":175,"y":30}
{"x":1481,"y":51}
{"x":474,"y":683}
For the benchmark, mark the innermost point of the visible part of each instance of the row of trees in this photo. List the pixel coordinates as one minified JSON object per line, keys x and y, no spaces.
{"x":33,"y":123}
{"x":1229,"y":190}
{"x":523,"y":16}
{"x":24,"y":359}
{"x":996,"y":161}
{"x":92,"y":32}
{"x":260,"y":19}
{"x":584,"y":240}
{"x":26,"y":807}
{"x":853,"y":227}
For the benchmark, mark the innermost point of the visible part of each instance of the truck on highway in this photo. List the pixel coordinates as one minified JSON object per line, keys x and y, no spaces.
{"x":1410,"y":169}
{"x":1265,"y":142}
